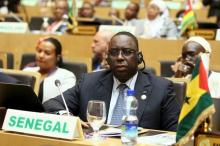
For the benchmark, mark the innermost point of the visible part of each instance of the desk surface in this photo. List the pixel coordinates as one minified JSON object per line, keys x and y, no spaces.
{"x":15,"y":139}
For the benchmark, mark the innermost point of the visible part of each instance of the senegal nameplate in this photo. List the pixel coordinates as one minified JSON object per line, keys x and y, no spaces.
{"x":41,"y":124}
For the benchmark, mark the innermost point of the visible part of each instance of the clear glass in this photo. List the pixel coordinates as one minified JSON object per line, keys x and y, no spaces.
{"x":96,"y":116}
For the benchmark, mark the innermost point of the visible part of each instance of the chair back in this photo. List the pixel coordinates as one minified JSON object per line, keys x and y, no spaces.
{"x":150,"y":70}
{"x":180,"y":85}
{"x":216,"y":116}
{"x":27,"y":58}
{"x":25,"y":77}
{"x":75,"y":67}
{"x":165,"y":68}
{"x":6,"y":60}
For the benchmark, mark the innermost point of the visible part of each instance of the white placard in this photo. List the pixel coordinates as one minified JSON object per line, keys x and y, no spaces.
{"x":217,"y":37}
{"x":116,"y":29}
{"x":66,"y":127}
{"x":13,"y":27}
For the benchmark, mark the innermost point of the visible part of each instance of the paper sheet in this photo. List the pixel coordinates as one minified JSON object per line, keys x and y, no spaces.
{"x":164,"y":139}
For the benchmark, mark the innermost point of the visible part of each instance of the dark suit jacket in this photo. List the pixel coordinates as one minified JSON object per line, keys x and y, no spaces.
{"x":160,"y":110}
{"x":7,"y":79}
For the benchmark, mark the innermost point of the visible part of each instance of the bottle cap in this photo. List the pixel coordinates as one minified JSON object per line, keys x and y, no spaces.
{"x":130,"y":92}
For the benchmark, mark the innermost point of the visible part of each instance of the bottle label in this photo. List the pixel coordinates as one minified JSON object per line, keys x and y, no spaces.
{"x":130,"y":129}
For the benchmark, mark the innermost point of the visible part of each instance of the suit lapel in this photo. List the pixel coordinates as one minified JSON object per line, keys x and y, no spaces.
{"x":104,"y":90}
{"x":142,"y":87}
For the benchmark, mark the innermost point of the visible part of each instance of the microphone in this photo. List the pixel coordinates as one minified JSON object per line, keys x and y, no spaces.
{"x":117,"y":19}
{"x":58,"y":84}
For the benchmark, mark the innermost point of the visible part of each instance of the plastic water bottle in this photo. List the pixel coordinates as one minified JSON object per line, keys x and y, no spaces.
{"x":64,"y":24}
{"x":45,"y":24}
{"x":130,"y":121}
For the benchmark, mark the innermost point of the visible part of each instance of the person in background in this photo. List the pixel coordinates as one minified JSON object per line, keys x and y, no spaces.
{"x":131,"y":13}
{"x":87,"y":10}
{"x":158,"y":24}
{"x":214,"y":9}
{"x":159,"y":110}
{"x":7,"y":6}
{"x":61,"y":19}
{"x":99,"y":48}
{"x":185,"y":64}
{"x":131,"y":17}
{"x":48,"y":63}
{"x":86,"y":15}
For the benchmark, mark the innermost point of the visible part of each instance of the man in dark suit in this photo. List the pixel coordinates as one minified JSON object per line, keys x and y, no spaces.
{"x":157,"y":109}
{"x":7,"y":79}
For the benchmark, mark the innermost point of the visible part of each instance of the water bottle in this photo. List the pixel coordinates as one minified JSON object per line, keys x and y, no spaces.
{"x":129,"y":131}
{"x":64,"y":24}
{"x":45,"y":24}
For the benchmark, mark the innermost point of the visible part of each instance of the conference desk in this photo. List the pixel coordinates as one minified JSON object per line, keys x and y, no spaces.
{"x":15,"y":139}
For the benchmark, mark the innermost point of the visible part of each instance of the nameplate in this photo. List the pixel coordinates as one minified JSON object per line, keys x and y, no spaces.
{"x":13,"y":27}
{"x":176,"y":5}
{"x":217,"y":37}
{"x":120,"y":4}
{"x":116,"y":29}
{"x":207,"y":140}
{"x":57,"y":126}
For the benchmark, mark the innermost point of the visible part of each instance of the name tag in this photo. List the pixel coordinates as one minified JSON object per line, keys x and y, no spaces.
{"x":116,"y":29}
{"x":13,"y":27}
{"x":66,"y":127}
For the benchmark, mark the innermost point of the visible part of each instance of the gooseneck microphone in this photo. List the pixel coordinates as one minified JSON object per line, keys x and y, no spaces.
{"x":58,"y":84}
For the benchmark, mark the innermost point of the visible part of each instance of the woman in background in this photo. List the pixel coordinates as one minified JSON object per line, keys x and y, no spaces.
{"x":48,"y":62}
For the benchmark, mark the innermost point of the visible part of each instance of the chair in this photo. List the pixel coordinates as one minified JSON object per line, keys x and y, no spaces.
{"x":27,"y":58}
{"x":6,"y":60}
{"x":24,"y":77}
{"x":180,"y":85}
{"x":75,"y":67}
{"x":216,"y":116}
{"x":151,"y":70}
{"x":165,"y":68}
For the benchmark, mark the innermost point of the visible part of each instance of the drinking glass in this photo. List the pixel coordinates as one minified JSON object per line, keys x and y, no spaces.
{"x":96,"y":116}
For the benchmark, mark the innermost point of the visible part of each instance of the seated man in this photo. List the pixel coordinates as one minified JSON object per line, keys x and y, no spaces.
{"x":159,"y":110}
{"x":99,"y":48}
{"x":131,"y":17}
{"x":86,"y":15}
{"x":61,"y":19}
{"x":185,"y":64}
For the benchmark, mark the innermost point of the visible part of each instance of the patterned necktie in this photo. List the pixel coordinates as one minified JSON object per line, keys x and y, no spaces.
{"x":118,"y":110}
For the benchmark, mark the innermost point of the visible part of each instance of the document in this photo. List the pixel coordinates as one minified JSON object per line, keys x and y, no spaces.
{"x":165,"y":139}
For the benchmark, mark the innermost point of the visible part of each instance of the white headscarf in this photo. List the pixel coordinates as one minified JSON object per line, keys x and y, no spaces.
{"x":203,"y":42}
{"x":162,"y":6}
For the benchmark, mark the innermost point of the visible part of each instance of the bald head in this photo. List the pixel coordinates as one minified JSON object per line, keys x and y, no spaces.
{"x":100,"y":42}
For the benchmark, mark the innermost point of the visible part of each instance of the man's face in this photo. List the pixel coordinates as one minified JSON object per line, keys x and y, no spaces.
{"x":87,"y":11}
{"x":99,"y":45}
{"x":122,"y":57}
{"x":190,"y":53}
{"x":130,"y":11}
{"x":152,"y":12}
{"x":61,"y":8}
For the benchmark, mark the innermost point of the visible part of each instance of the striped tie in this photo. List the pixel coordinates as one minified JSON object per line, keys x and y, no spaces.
{"x":118,"y":110}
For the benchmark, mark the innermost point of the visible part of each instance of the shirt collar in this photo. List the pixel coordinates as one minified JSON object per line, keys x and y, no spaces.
{"x":130,"y":83}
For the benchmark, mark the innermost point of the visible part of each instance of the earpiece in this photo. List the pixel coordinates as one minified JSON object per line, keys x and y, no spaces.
{"x":139,"y":57}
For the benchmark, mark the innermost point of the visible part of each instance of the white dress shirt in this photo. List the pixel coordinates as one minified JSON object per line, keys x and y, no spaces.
{"x":115,"y":92}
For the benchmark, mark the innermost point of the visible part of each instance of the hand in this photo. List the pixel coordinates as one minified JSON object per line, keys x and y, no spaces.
{"x":84,"y":124}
